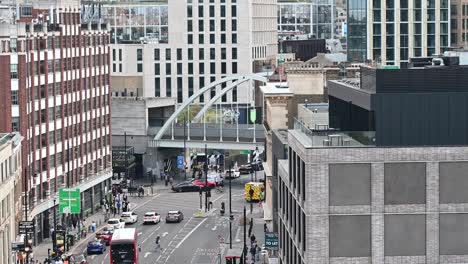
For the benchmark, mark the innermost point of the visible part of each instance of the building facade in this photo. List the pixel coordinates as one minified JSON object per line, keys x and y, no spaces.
{"x":174,"y":48}
{"x":459,"y":23}
{"x":364,"y":204}
{"x":313,"y":18}
{"x":10,"y":193}
{"x":391,"y":32}
{"x":55,"y":76}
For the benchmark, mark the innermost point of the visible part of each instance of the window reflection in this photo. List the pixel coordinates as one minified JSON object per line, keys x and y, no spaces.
{"x":137,"y":23}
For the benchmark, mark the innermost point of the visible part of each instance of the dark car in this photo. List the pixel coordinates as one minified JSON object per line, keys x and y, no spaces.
{"x":96,"y":246}
{"x":186,"y":186}
{"x":174,"y":217}
{"x":77,"y":259}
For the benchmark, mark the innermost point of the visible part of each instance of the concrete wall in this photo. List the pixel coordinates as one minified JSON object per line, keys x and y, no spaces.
{"x":415,"y":213}
{"x":311,"y":119}
{"x":307,"y":83}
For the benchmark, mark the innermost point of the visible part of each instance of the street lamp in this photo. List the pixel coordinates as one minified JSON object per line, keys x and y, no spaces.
{"x":54,"y":234}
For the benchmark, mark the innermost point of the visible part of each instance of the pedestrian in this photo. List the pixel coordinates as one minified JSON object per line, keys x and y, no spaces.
{"x":258,"y":253}
{"x":93,"y":226}
{"x":158,"y":245}
{"x":253,"y":250}
{"x":252,"y":239}
{"x":265,"y":228}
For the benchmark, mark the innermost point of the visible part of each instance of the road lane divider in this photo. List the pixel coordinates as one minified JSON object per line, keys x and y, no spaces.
{"x":193,"y":230}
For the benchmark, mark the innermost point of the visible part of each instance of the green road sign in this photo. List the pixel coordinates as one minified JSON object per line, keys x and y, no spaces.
{"x":253,"y":115}
{"x":69,"y":201}
{"x":271,"y":240}
{"x":245,"y":152}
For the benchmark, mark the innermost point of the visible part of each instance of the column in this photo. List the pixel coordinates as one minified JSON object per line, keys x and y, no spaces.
{"x":377,"y":210}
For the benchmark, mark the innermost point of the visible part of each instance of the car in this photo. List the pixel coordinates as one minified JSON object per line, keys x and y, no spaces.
{"x":203,"y":183}
{"x":105,"y":234}
{"x":216,"y":177}
{"x":96,"y":246}
{"x":186,"y":186}
{"x":231,"y":173}
{"x":116,"y":223}
{"x":245,"y":169}
{"x":151,"y":217}
{"x":129,"y":217}
{"x":174,"y":216}
{"x":77,"y":259}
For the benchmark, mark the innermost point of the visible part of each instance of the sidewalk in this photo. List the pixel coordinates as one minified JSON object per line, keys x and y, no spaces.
{"x":40,"y":251}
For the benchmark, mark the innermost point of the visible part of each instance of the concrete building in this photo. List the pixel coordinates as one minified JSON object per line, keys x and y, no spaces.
{"x":55,"y":92}
{"x":459,"y":23}
{"x":350,"y":197}
{"x":391,"y":32}
{"x":10,"y":193}
{"x":313,"y":18}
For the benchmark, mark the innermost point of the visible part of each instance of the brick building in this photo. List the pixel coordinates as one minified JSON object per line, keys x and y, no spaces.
{"x":55,"y":91}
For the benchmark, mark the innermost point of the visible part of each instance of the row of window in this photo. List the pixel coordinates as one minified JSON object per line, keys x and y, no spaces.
{"x":212,"y":13}
{"x":212,"y":26}
{"x":9,"y":167}
{"x":190,"y":53}
{"x":201,"y":68}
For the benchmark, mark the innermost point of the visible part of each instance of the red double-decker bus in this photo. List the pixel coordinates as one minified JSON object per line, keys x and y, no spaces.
{"x":123,"y":246}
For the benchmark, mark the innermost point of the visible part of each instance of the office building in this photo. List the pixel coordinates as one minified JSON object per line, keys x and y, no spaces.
{"x":313,"y":18}
{"x":55,"y":92}
{"x":390,"y":32}
{"x":350,"y":197}
{"x":459,"y":23}
{"x":174,"y":48}
{"x":10,"y":193}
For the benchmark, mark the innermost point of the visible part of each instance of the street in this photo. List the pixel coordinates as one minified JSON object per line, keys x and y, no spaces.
{"x":194,"y":240}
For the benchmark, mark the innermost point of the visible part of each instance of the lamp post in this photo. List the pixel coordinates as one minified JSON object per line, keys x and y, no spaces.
{"x":54,"y":238}
{"x":126,"y":157}
{"x":206,"y":178}
{"x":231,"y":217}
{"x":185,"y":147}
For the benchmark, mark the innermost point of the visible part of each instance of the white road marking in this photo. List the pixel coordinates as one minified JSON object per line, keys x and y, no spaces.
{"x":214,"y":228}
{"x":193,"y":230}
{"x":107,"y":254}
{"x":165,"y":234}
{"x":146,"y":254}
{"x":217,"y":198}
{"x":93,"y":256}
{"x":139,"y":233}
{"x":152,"y":233}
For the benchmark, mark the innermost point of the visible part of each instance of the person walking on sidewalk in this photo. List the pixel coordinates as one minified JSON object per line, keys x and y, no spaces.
{"x":93,"y":226}
{"x":253,"y":251}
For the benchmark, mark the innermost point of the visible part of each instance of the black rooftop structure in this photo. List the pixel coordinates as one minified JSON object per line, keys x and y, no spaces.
{"x":425,"y":106}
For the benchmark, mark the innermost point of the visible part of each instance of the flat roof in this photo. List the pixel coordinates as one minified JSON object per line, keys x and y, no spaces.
{"x":124,"y":234}
{"x":275,"y":88}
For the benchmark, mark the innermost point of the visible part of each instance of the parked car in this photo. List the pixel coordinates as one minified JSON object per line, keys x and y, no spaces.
{"x":231,"y":173}
{"x":116,"y":223}
{"x":105,"y":234}
{"x":129,"y":217}
{"x":151,"y":217}
{"x":174,"y":216}
{"x":186,"y":186}
{"x":96,"y":246}
{"x":77,"y":259}
{"x":251,"y":167}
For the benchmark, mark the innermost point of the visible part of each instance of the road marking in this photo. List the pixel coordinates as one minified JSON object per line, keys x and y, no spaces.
{"x":214,"y":228}
{"x":165,"y":234}
{"x":83,"y":250}
{"x":217,"y":198}
{"x":146,"y":254}
{"x":152,"y":233}
{"x":107,"y":254}
{"x":102,"y":262}
{"x":139,"y":233}
{"x":93,"y":256}
{"x":193,"y":230}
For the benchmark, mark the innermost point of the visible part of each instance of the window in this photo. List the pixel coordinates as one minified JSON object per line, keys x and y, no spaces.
{"x":223,"y":53}
{"x":233,"y":11}
{"x":201,"y":39}
{"x":190,"y":54}
{"x":179,"y":68}
{"x":234,"y":38}
{"x":13,"y":44}
{"x":212,"y":11}
{"x":179,"y":54}
{"x":15,"y":123}
{"x":212,"y":53}
{"x":234,"y":53}
{"x":201,"y":68}
{"x":212,"y":68}
{"x":212,"y":39}
{"x":212,"y":25}
{"x":190,"y":84}
{"x":201,"y":27}
{"x":234,"y":94}
{"x":234,"y":25}
{"x":189,"y":26}
{"x":156,"y":54}
{"x":223,"y":11}
{"x":139,"y":54}
{"x":190,"y":39}
{"x":14,"y":71}
{"x":157,"y":69}
{"x":157,"y":87}
{"x":179,"y":90}
{"x":223,"y":67}
{"x":14,"y":97}
{"x":168,"y":54}
{"x":234,"y":67}
{"x":168,"y":87}
{"x":189,"y":11}
{"x":201,"y":54}
{"x":223,"y":38}
{"x":223,"y":25}
{"x":139,"y":67}
{"x":168,"y":68}
{"x":190,"y":68}
{"x":200,"y":11}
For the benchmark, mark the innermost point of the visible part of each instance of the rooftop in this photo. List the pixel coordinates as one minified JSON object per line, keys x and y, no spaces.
{"x":276,"y":88}
{"x":332,"y":138}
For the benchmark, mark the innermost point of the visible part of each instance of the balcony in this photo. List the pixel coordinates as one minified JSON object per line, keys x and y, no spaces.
{"x":332,"y":138}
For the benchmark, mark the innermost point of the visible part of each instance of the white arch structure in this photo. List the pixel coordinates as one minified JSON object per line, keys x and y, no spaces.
{"x":239,"y":79}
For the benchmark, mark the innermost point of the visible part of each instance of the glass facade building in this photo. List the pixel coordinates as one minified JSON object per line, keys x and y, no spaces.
{"x":137,"y":22}
{"x":397,"y":30}
{"x":312,"y":18}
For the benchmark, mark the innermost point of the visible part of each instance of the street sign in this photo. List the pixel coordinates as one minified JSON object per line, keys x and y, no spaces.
{"x":17,"y":246}
{"x":26,"y":227}
{"x":246,"y":152}
{"x":69,"y":201}
{"x":271,"y":240}
{"x":180,"y":162}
